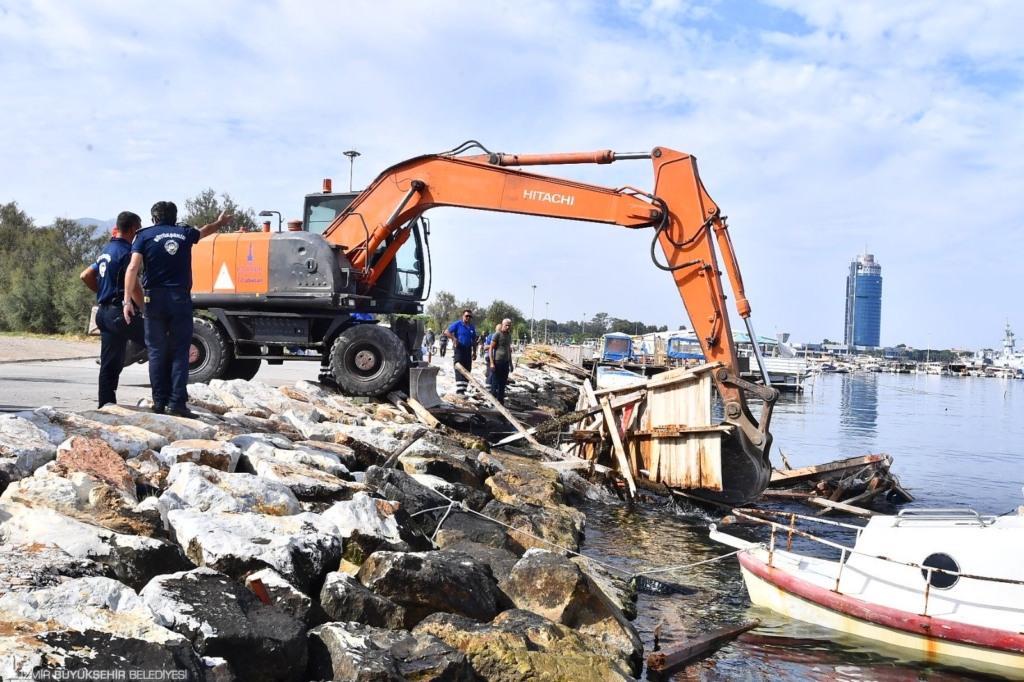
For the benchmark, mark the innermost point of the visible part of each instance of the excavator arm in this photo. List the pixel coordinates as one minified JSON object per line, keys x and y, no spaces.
{"x":687,"y":225}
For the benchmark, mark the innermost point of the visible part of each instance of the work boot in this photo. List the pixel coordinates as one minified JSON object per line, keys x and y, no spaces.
{"x":181,"y":412}
{"x":159,"y":409}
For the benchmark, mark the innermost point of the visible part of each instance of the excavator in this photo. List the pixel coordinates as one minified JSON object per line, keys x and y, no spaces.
{"x":308,"y":289}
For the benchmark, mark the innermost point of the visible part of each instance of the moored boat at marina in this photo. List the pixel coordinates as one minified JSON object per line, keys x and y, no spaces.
{"x":946,"y":585}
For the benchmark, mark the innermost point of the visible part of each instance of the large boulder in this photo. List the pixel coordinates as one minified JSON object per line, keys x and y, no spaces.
{"x":520,"y":646}
{"x":426,"y":582}
{"x":368,"y":524}
{"x":24,"y":444}
{"x":306,"y":482}
{"x":325,"y":461}
{"x":212,"y":453}
{"x":170,"y":427}
{"x":616,"y":589}
{"x":255,"y":394}
{"x":552,"y":586}
{"x":303,"y":547}
{"x":557,"y":528}
{"x":206,"y":489}
{"x":89,"y":624}
{"x":270,"y":587}
{"x":500,"y":561}
{"x":29,"y":567}
{"x":97,"y":459}
{"x":223,"y":619}
{"x":344,"y":453}
{"x":148,"y":469}
{"x":133,"y":559}
{"x":401,"y":487}
{"x":474,"y":498}
{"x":127,"y":441}
{"x":462,"y":469}
{"x":358,"y":653}
{"x":343,"y":598}
{"x":460,"y":525}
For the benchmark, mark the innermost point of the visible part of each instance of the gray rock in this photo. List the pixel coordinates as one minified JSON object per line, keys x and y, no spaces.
{"x":212,"y":453}
{"x":271,"y":588}
{"x":453,"y":468}
{"x":88,"y":623}
{"x":325,"y":461}
{"x":133,"y":559}
{"x":222,"y":619}
{"x":368,"y":524}
{"x":616,"y":589}
{"x":170,"y":427}
{"x":343,"y":598}
{"x":500,"y":561}
{"x":24,"y":443}
{"x":401,"y":487}
{"x":474,"y":498}
{"x":426,"y":582}
{"x":354,"y":652}
{"x":307,"y":483}
{"x":206,"y":489}
{"x":549,"y":528}
{"x":32,"y":567}
{"x":460,"y":525}
{"x":303,"y":548}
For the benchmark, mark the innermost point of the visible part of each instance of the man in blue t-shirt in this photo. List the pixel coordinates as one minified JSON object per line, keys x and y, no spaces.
{"x":463,"y":336}
{"x":106,"y":278}
{"x":166,"y":251}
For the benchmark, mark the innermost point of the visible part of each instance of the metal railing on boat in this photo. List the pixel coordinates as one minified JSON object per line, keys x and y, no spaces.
{"x":846,"y":552}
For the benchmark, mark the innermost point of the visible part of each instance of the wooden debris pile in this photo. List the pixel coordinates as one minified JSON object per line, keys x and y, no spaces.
{"x":848,"y":485}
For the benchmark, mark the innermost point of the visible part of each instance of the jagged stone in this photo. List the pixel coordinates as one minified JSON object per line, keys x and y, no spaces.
{"x":500,"y":561}
{"x":453,"y":468}
{"x":148,"y":469}
{"x":212,"y":453}
{"x":368,"y":524}
{"x":97,"y":459}
{"x":556,"y":527}
{"x":255,"y":394}
{"x":24,"y":443}
{"x":206,"y":489}
{"x":579,"y":491}
{"x":306,"y":482}
{"x":127,"y":441}
{"x":619,"y":591}
{"x":327,"y":462}
{"x":133,"y":559}
{"x":95,"y":624}
{"x":204,"y":394}
{"x":260,"y":642}
{"x":358,"y":653}
{"x":426,"y":582}
{"x":401,"y":487}
{"x":344,"y":453}
{"x":525,"y":481}
{"x":302,"y":547}
{"x":520,"y":646}
{"x":270,"y":441}
{"x":270,"y":587}
{"x":474,"y":498}
{"x":552,"y":586}
{"x":344,"y":598}
{"x":30,"y":567}
{"x":460,"y":525}
{"x":170,"y":427}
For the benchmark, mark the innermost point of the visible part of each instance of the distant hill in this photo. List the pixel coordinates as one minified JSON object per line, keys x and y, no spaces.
{"x":103,"y":227}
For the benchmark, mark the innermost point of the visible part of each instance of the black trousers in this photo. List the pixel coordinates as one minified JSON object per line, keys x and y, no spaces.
{"x":499,"y":379}
{"x":462,"y":355}
{"x":115,"y":334}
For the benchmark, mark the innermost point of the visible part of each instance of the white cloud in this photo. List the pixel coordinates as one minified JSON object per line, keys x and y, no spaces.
{"x":819,"y":127}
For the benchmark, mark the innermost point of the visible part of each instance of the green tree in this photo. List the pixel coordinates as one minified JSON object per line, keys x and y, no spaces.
{"x":498,"y":311}
{"x":204,"y":208}
{"x":442,"y":310}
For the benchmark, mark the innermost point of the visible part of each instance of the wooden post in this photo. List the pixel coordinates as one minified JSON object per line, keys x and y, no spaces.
{"x":665,"y":663}
{"x":620,"y":452}
{"x":405,"y":445}
{"x":422,"y":413}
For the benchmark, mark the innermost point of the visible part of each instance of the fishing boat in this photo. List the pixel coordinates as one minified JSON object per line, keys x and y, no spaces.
{"x":944,"y":585}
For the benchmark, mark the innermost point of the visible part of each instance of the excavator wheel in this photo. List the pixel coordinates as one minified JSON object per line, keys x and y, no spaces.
{"x":368,"y":360}
{"x":209,"y":355}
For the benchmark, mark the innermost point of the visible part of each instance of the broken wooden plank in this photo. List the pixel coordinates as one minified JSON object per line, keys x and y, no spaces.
{"x":667,"y":662}
{"x":681,"y":431}
{"x":403,"y":446}
{"x":829,"y":505}
{"x":423,"y":414}
{"x":676,"y":376}
{"x":783,"y":478}
{"x":620,"y":452}
{"x":786,"y":495}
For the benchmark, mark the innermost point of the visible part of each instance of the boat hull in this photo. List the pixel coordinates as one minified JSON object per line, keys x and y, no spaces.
{"x":929,"y":639}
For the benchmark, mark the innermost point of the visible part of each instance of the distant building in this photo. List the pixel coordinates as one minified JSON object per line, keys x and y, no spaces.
{"x":863,"y":302}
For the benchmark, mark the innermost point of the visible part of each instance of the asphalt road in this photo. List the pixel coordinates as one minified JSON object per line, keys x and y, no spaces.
{"x":71,"y":384}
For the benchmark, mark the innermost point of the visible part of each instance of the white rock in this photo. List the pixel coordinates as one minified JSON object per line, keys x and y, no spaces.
{"x":213,"y":453}
{"x":127,"y":441}
{"x":170,"y":427}
{"x":23,"y":441}
{"x":318,"y":459}
{"x":206,"y":394}
{"x":304,"y":481}
{"x":309,"y":429}
{"x":53,"y":492}
{"x":255,"y":394}
{"x":302,"y":547}
{"x":281,"y":593}
{"x":366,"y":515}
{"x":207,"y":489}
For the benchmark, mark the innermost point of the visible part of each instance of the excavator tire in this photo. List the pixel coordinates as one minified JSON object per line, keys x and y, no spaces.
{"x":242,"y":369}
{"x":209,"y":356}
{"x":368,"y":360}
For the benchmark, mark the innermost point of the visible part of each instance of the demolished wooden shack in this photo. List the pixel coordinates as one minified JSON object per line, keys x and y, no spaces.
{"x":846,"y":485}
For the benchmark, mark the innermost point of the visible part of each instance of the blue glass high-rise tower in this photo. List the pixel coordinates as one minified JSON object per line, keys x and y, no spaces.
{"x":863,"y":302}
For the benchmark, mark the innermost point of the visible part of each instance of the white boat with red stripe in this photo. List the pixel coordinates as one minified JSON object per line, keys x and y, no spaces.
{"x":944,"y":584}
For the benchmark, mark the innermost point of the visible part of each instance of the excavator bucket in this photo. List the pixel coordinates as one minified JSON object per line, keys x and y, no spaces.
{"x":423,"y":385}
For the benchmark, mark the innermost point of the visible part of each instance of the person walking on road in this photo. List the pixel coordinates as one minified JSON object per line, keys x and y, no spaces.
{"x":499,"y":356}
{"x":166,"y":251}
{"x":428,"y":341}
{"x":463,"y":337}
{"x":106,"y":277}
{"x":442,"y":345}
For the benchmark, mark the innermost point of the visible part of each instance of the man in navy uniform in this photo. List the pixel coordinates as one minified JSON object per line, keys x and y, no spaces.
{"x":463,"y":336}
{"x":166,"y":251}
{"x":106,"y":278}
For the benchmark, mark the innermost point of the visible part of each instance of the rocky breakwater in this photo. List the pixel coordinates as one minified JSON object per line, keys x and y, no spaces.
{"x":276,"y":537}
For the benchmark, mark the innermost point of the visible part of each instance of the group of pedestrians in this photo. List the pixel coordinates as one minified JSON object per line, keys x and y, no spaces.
{"x":148,"y":270}
{"x":496,"y":349}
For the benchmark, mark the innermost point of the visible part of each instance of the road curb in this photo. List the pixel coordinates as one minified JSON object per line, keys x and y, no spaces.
{"x":77,"y":357}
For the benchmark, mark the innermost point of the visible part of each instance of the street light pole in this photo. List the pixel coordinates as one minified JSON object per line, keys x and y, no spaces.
{"x":533,"y":305}
{"x":583,"y":328}
{"x":545,"y":323}
{"x":351,"y":154}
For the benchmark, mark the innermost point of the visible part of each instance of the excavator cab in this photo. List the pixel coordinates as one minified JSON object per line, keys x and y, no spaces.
{"x":320,"y":210}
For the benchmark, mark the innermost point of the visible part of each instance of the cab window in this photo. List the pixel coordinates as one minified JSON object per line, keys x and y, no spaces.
{"x":409,"y":262}
{"x":322,"y":210}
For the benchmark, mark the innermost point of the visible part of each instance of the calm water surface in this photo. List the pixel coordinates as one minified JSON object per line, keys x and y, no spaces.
{"x":955,"y":442}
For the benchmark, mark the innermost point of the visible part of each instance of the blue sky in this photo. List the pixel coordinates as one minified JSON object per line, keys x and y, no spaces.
{"x":819,"y":127}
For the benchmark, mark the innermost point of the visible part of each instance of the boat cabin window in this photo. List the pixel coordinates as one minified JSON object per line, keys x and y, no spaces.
{"x":941,"y":581}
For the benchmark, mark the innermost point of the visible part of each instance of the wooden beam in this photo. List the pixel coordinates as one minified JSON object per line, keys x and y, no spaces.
{"x":620,"y":452}
{"x":682,"y":431}
{"x":780,"y":478}
{"x":676,"y":376}
{"x":405,"y":445}
{"x":667,"y":662}
{"x":422,"y":413}
{"x":829,"y":505}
